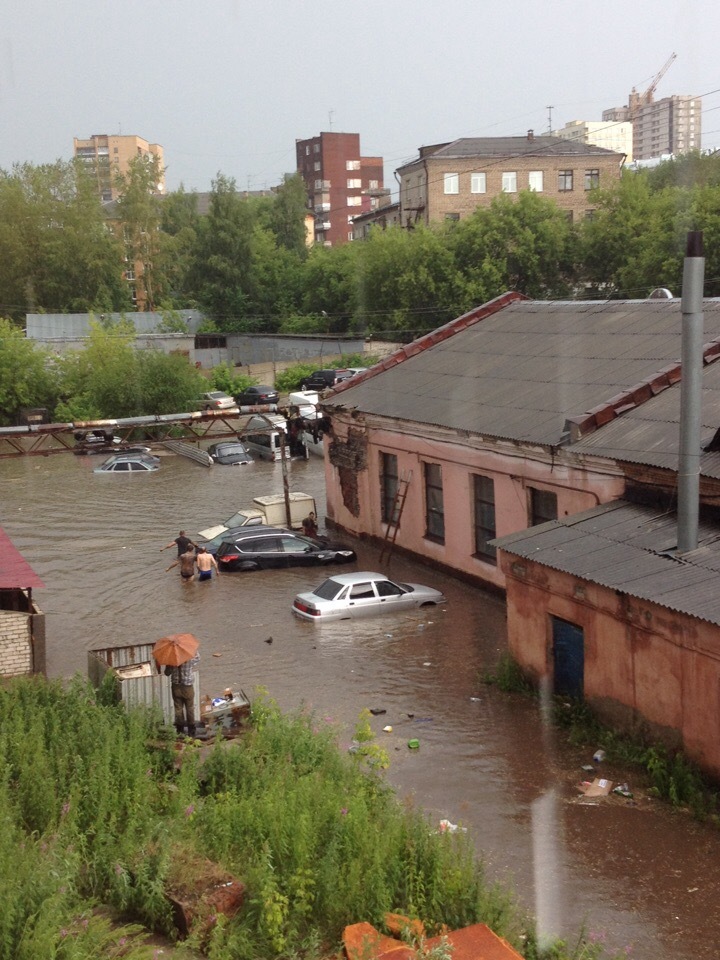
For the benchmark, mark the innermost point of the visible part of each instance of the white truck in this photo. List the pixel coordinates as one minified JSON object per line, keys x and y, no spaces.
{"x":267,"y":511}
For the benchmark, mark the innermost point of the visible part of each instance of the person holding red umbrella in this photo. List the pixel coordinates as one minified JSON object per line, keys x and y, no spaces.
{"x":178,"y":654}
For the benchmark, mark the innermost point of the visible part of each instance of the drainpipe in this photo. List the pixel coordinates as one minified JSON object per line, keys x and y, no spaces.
{"x":690,"y":393}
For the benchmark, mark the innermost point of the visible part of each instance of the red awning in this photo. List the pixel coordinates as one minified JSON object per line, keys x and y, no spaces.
{"x":15,"y":571}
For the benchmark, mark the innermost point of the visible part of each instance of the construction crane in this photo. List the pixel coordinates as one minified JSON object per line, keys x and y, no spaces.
{"x":638,"y":100}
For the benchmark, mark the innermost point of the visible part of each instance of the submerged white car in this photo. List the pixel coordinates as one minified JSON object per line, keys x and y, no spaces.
{"x":350,"y":595}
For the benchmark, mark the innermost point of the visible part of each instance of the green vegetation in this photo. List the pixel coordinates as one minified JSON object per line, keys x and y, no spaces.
{"x":670,"y":774}
{"x":102,"y":817}
{"x":245,"y":263}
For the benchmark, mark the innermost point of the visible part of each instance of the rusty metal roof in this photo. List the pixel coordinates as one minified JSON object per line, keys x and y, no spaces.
{"x":649,"y":434}
{"x":15,"y":571}
{"x":519,"y":370}
{"x":629,"y":547}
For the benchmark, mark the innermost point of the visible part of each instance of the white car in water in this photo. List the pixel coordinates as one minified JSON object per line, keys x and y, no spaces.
{"x":350,"y":595}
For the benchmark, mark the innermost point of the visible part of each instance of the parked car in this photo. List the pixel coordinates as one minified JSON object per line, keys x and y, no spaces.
{"x":129,"y":463}
{"x":351,"y":595}
{"x":261,"y":548}
{"x":217,"y":400}
{"x":231,"y":452}
{"x":324,"y":379}
{"x":258,"y":396}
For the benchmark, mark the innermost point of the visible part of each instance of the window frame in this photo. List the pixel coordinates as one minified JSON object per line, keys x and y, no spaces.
{"x":434,"y":502}
{"x":536,"y":174}
{"x":592,"y":178}
{"x":483,"y":493}
{"x":509,"y":181}
{"x":389,"y":486}
{"x":451,"y":184}
{"x":476,"y":180}
{"x":566,"y":181}
{"x":538,"y":506}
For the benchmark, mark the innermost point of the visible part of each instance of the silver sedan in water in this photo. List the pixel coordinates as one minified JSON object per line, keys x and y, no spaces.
{"x":350,"y":595}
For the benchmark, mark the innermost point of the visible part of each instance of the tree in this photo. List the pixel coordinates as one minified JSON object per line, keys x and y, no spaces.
{"x":27,"y":377}
{"x":138,"y":214}
{"x":221,"y":262}
{"x":287,"y":215}
{"x":56,"y":252}
{"x":521,"y":244}
{"x":405,"y":281}
{"x":634,"y":242}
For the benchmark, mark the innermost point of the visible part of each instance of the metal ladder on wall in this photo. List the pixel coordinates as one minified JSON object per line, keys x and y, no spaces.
{"x":395,"y":515}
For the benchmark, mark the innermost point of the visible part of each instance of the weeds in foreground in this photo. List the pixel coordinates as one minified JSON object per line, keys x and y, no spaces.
{"x":508,"y":677}
{"x":94,"y":810}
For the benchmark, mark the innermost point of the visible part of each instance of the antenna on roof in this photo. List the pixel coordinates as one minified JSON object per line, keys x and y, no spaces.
{"x":550,"y":110}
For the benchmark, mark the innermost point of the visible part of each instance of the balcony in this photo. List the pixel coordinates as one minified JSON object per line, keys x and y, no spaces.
{"x":322,"y":208}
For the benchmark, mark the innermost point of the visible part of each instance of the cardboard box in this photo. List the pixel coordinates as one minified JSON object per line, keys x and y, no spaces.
{"x":600,"y":787}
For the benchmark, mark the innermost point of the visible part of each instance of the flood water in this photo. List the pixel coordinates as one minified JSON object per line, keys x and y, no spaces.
{"x":637,"y":875}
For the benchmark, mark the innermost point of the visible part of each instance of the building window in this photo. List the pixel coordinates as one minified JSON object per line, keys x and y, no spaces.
{"x":452,"y":183}
{"x":452,"y":217}
{"x":354,"y":201}
{"x":484,"y":503}
{"x":307,"y":151}
{"x":543,"y":506}
{"x":352,"y":164}
{"x":589,"y":215}
{"x":569,"y":216}
{"x":388,"y":487}
{"x":509,"y":182}
{"x":354,"y":184}
{"x":317,"y":166}
{"x":434,"y":512}
{"x":565,"y":180}
{"x":373,"y":185}
{"x":535,"y":181}
{"x":316,"y":148}
{"x":318,"y":184}
{"x":478,"y":183}
{"x":592,"y":179}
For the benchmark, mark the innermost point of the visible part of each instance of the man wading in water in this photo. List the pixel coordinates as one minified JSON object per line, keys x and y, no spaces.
{"x":205,"y":563}
{"x":187,"y":565}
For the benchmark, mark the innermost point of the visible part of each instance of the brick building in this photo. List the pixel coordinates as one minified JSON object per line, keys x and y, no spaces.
{"x":22,"y":623}
{"x":340,"y":183}
{"x":450,"y":181}
{"x":107,"y":156}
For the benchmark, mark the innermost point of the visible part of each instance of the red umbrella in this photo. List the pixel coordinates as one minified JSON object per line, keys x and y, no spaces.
{"x":176,"y":649}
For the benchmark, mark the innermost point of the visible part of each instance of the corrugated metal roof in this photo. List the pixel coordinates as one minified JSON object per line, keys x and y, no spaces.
{"x":649,"y":434}
{"x":515,"y":147}
{"x":15,"y":571}
{"x":522,"y":371}
{"x":624,"y":546}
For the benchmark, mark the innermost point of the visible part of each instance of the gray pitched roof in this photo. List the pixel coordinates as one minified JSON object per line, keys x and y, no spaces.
{"x":649,"y":434}
{"x":468,"y":147}
{"x":522,"y":371}
{"x":624,"y":546}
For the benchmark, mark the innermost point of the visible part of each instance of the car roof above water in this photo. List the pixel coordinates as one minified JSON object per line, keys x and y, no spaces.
{"x":361,"y":576}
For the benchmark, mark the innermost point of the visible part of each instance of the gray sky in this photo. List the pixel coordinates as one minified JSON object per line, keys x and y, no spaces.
{"x":228,"y":86}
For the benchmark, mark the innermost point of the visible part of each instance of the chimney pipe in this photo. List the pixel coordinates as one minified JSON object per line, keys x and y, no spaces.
{"x":531,"y":134}
{"x":690,"y":393}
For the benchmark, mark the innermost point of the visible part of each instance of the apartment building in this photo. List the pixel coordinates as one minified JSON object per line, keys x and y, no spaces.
{"x":450,"y":181}
{"x":610,"y":135}
{"x":340,"y":183}
{"x":107,"y":156}
{"x":672,"y":125}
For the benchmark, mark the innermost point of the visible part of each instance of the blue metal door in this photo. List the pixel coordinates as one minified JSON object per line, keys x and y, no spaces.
{"x":568,"y":658}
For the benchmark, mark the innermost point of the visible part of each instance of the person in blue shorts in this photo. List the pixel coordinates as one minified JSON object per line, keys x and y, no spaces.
{"x":205,"y":563}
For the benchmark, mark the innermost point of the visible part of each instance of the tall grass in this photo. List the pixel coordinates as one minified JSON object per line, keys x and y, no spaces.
{"x":96,"y":811}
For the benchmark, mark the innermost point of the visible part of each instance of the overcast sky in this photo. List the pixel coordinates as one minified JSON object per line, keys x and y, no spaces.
{"x":229,"y":85}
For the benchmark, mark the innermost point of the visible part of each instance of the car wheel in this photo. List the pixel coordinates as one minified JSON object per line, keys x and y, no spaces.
{"x":249,"y":566}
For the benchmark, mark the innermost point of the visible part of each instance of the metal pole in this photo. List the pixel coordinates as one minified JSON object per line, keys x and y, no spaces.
{"x":286,"y":480}
{"x":691,"y":393}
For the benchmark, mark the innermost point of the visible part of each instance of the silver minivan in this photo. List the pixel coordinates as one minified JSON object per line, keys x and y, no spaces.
{"x":268,"y":445}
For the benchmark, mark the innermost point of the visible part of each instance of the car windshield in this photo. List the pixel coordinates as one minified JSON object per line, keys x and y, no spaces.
{"x":329,"y":590}
{"x":215,"y":395}
{"x":224,"y":449}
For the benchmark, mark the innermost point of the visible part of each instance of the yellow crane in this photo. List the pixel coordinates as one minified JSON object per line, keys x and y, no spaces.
{"x":638,"y":100}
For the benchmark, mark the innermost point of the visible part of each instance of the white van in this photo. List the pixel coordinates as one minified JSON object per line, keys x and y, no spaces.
{"x":267,"y":445}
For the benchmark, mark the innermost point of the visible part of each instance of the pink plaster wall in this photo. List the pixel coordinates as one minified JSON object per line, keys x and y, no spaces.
{"x":662,"y":668}
{"x":512,"y":468}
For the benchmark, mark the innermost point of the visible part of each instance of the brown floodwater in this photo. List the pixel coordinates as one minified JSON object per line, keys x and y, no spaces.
{"x":636,"y":874}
